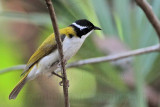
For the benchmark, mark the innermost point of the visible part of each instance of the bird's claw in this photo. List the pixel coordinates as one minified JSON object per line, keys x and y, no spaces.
{"x":61,"y":83}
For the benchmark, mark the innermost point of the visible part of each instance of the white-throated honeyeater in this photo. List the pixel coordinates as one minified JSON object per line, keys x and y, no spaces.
{"x":46,"y":57}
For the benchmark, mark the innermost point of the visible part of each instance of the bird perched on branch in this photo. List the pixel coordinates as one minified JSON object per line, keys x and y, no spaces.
{"x":46,"y":57}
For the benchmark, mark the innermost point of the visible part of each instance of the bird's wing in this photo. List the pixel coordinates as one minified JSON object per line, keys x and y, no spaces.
{"x":48,"y":46}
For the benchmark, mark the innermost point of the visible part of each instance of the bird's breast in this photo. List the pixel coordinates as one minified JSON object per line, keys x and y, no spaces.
{"x":71,"y":46}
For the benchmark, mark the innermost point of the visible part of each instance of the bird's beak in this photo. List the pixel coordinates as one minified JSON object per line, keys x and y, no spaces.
{"x":97,"y":28}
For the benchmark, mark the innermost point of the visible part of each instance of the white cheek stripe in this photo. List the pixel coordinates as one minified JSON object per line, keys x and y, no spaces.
{"x":80,"y":27}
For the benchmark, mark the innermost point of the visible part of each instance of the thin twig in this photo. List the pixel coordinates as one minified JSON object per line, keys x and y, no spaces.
{"x":109,"y":58}
{"x":17,"y":67}
{"x":60,"y":49}
{"x":115,"y":57}
{"x":150,"y":15}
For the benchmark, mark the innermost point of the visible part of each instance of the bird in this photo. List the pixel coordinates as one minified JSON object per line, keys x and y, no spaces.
{"x":46,"y":58}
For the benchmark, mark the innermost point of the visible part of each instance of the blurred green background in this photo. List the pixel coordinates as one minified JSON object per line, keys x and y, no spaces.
{"x":131,"y":82}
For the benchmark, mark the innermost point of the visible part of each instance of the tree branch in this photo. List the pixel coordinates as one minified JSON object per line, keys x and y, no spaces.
{"x":150,"y":15}
{"x":17,"y":67}
{"x":115,"y":57}
{"x":60,"y":49}
{"x":109,"y":58}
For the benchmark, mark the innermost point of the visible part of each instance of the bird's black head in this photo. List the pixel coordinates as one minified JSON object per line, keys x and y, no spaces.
{"x":83,"y":27}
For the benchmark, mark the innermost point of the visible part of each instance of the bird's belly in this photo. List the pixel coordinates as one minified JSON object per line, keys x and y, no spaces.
{"x":48,"y":61}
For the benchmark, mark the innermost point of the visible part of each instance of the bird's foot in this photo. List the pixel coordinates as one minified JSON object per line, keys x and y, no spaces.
{"x":61,"y":83}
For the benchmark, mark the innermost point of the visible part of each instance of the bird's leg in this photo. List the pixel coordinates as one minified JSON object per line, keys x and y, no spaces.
{"x":53,"y":73}
{"x":61,"y":83}
{"x":59,"y":64}
{"x":65,"y":61}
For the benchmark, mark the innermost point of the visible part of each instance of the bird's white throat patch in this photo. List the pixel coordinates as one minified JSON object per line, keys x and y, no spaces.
{"x":79,"y":26}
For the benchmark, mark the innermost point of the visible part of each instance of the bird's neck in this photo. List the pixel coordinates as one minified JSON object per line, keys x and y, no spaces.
{"x":68,"y":31}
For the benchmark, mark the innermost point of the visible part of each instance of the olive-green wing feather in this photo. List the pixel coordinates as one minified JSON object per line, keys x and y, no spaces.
{"x":48,"y":46}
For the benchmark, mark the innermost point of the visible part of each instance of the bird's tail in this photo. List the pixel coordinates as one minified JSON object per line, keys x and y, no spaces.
{"x":19,"y":86}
